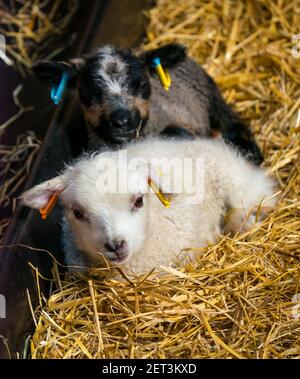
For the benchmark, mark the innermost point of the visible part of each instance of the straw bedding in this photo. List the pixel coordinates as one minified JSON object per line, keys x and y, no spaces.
{"x":15,"y":162}
{"x":34,"y":30}
{"x":238,"y":299}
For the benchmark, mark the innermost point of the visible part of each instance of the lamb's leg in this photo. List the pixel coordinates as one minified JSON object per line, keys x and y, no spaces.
{"x":234,"y":131}
{"x":249,"y":199}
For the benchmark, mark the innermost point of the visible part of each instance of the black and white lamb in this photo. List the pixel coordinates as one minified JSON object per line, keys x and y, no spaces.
{"x":122,"y":98}
{"x":112,"y":215}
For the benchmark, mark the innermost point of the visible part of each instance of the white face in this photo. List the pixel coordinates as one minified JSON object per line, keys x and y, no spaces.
{"x":115,"y":226}
{"x":112,"y":224}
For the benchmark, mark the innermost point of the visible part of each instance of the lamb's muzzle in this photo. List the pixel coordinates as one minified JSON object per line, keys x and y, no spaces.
{"x":117,"y":250}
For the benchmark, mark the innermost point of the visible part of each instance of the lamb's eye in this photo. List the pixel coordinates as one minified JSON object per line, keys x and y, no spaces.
{"x":139,"y":202}
{"x":78,"y":213}
{"x":139,"y":85}
{"x":144,"y":85}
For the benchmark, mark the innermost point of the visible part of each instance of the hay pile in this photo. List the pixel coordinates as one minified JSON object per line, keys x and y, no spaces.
{"x":33,"y":29}
{"x":15,"y":162}
{"x":239,"y":298}
{"x":29,"y":31}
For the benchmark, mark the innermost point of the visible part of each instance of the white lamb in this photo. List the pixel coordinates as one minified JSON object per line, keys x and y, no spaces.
{"x":134,"y":229}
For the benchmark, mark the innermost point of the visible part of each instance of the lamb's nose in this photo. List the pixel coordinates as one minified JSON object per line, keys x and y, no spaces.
{"x":117,"y":246}
{"x":120,"y":245}
{"x":121,"y":118}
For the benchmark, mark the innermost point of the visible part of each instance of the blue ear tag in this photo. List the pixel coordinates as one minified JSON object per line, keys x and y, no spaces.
{"x":155,"y":62}
{"x":57,"y":91}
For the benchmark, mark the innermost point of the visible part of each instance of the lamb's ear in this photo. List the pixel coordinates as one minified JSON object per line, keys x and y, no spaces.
{"x":170,"y":55}
{"x":51,"y":72}
{"x":39,"y":195}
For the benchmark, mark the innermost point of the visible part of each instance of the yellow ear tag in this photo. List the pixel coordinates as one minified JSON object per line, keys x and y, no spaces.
{"x":45,"y":211}
{"x":163,"y":75}
{"x":165,"y":202}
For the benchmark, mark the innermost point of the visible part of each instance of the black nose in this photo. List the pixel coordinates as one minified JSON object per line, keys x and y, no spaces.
{"x":116,"y":246}
{"x":121,"y":118}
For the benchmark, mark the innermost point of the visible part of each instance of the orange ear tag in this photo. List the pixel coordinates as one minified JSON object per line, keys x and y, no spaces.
{"x":45,"y":211}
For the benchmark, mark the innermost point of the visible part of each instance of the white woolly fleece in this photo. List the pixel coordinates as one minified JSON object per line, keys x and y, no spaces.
{"x":153,"y":234}
{"x":159,"y":234}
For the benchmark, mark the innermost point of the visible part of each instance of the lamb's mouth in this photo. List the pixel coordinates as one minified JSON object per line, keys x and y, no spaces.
{"x":116,"y":136}
{"x":117,"y":258}
{"x":120,"y":139}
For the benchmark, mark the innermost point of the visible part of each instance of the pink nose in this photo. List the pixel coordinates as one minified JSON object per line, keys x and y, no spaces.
{"x":117,"y":246}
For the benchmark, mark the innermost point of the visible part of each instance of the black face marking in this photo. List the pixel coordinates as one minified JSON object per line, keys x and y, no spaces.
{"x":140,"y":85}
{"x":90,"y":89}
{"x":136,"y":76}
{"x":109,"y":70}
{"x":117,"y":82}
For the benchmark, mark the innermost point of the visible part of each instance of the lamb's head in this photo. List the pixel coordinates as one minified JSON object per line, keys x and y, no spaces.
{"x":105,"y":215}
{"x":114,"y":86}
